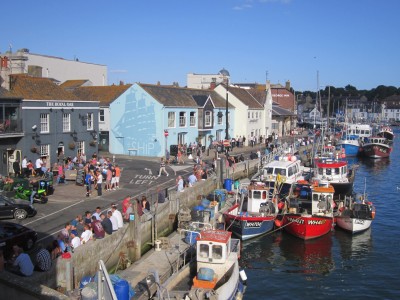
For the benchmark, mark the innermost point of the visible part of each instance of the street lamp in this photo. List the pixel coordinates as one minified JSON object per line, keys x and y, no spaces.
{"x":225,"y":74}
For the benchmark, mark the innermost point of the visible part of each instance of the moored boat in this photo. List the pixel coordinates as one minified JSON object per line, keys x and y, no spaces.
{"x":350,"y":144}
{"x":308,"y":212}
{"x":386,"y":132}
{"x":376,"y":147}
{"x":336,"y":173}
{"x":355,"y":214}
{"x":214,"y":274}
{"x":255,"y":213}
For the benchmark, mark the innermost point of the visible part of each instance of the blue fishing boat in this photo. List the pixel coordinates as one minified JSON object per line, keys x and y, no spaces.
{"x":349,"y":144}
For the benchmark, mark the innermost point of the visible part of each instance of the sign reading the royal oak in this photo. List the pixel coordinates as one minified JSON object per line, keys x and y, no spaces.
{"x":60,"y":104}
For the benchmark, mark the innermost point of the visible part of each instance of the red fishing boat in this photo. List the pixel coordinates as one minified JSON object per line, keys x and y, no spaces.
{"x":377,"y":147}
{"x":308,"y":211}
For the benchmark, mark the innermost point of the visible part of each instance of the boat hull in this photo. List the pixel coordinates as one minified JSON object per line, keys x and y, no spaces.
{"x":307,"y":227}
{"x":351,"y":148}
{"x":247,"y":227}
{"x":354,"y":225}
{"x":376,"y":150}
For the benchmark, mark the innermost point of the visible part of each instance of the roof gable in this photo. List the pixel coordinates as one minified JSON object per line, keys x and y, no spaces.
{"x":171,"y":96}
{"x":245,"y":97}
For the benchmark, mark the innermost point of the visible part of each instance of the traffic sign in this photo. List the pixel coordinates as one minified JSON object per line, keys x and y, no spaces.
{"x":165,"y":133}
{"x":226,"y":143}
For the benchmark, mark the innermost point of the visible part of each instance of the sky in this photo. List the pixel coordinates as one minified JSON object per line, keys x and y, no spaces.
{"x":312,"y":43}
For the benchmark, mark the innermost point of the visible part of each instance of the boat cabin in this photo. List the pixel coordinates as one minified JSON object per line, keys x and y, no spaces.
{"x":213,"y":246}
{"x":377,"y":140}
{"x":315,"y":200}
{"x":289,"y":167}
{"x":331,"y":170}
{"x":257,"y":196}
{"x":360,"y":130}
{"x":322,"y":200}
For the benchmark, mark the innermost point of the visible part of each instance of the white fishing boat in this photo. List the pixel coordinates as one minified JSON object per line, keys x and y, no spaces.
{"x":355,"y":214}
{"x":213,"y":274}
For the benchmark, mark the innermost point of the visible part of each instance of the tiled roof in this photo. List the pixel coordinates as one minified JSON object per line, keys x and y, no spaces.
{"x":73,"y":84}
{"x":258,"y":94}
{"x":38,"y":88}
{"x":171,"y":96}
{"x":245,"y":97}
{"x":4,"y":94}
{"x":104,"y":94}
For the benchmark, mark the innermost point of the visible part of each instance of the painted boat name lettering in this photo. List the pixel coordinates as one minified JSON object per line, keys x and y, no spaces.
{"x":298,"y":221}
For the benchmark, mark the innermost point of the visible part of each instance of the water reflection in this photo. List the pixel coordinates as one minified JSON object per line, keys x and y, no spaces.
{"x":354,"y":247}
{"x":309,"y":257}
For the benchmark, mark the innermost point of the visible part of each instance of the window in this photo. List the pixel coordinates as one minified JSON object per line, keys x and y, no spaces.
{"x":66,"y":122}
{"x":182,"y":119}
{"x":44,"y":150}
{"x":207,"y":119}
{"x":219,"y":120}
{"x":171,"y":119}
{"x":89,"y":124}
{"x":248,"y":115}
{"x":101,"y":115}
{"x":80,"y":147}
{"x":192,"y":119}
{"x":44,"y":123}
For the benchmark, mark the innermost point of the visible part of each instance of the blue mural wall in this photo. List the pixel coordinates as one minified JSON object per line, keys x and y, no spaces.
{"x":138,"y":121}
{"x":135,"y":122}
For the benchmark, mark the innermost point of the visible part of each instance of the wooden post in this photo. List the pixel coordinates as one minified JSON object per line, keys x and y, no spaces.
{"x":136,"y":232}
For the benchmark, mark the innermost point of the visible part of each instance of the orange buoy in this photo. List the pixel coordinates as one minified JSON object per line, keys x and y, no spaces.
{"x":278,"y":223}
{"x":281,"y":205}
{"x":343,"y":155}
{"x":373,"y":214}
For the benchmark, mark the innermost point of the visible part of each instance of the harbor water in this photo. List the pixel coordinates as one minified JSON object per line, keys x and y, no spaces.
{"x":337,"y":265}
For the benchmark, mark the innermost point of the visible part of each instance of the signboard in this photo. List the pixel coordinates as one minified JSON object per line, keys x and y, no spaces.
{"x":165,"y":133}
{"x":226,"y":143}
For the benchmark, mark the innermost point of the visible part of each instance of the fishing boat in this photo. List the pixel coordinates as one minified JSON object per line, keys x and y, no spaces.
{"x":256,"y":211}
{"x":308,"y":211}
{"x":335,"y":172}
{"x":213,"y":274}
{"x":287,"y":167}
{"x":376,"y":147}
{"x":349,"y":143}
{"x":386,"y":132}
{"x":355,"y":213}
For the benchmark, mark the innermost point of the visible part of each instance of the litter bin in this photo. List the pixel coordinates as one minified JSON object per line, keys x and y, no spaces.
{"x":228,"y":184}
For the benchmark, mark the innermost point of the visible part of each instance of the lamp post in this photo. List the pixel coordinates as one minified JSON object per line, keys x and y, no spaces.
{"x":225,"y":74}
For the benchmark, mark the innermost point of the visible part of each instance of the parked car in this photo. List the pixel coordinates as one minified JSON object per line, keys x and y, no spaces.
{"x":15,"y":234}
{"x":15,"y":208}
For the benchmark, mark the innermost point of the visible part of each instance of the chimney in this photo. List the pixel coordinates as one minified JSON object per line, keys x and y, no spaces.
{"x":287,"y":86}
{"x":213,"y":85}
{"x":121,"y":82}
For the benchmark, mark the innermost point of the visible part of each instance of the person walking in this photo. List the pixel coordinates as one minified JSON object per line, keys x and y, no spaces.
{"x":99,"y":182}
{"x":162,"y":168}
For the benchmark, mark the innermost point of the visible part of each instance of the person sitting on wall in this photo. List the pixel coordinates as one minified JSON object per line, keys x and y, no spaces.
{"x":20,"y":264}
{"x":8,"y":184}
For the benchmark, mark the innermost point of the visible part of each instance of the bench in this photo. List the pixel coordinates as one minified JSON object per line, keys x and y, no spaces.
{"x":134,"y":150}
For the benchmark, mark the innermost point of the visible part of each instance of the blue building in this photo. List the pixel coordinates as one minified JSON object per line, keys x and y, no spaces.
{"x":148,"y":120}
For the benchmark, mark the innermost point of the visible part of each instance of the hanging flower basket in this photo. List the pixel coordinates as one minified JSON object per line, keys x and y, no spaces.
{"x":71,"y":145}
{"x":92,"y":143}
{"x":34,"y":149}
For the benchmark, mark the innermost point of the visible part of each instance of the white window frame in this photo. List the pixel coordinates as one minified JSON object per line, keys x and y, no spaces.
{"x":89,"y":122}
{"x":66,"y":122}
{"x":80,"y":148}
{"x":192,"y":119}
{"x":44,"y":123}
{"x":171,"y":119}
{"x":44,"y":150}
{"x":182,"y":119}
{"x":208,"y":119}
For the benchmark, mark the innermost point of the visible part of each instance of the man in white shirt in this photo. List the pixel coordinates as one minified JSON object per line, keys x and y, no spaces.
{"x":24,"y":166}
{"x":87,"y":235}
{"x":38,"y":166}
{"x":97,"y":213}
{"x":117,"y":214}
{"x":113,"y":220}
{"x":75,"y":240}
